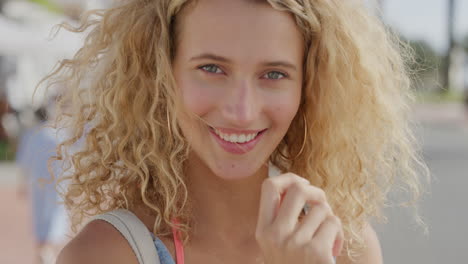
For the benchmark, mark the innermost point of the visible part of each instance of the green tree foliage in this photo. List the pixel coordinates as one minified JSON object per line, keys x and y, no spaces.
{"x":49,"y":5}
{"x":424,"y":63}
{"x":465,"y":43}
{"x":426,"y":60}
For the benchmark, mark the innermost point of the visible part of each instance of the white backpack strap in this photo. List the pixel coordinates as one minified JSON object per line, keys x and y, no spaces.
{"x":136,"y":233}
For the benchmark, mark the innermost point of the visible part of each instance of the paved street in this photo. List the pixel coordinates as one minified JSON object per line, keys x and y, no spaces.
{"x":445,"y":210}
{"x":16,"y":240}
{"x":444,"y":133}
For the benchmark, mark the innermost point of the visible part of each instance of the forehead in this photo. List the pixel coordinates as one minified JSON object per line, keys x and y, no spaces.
{"x":240,"y":28}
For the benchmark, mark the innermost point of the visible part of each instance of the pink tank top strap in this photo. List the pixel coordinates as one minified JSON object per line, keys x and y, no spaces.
{"x":179,"y":247}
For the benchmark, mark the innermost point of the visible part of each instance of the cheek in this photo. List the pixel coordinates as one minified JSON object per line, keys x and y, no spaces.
{"x":284,"y":114}
{"x":198,"y":96}
{"x":284,"y":109}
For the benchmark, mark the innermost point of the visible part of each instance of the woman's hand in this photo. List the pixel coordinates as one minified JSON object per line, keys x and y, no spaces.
{"x":286,"y":237}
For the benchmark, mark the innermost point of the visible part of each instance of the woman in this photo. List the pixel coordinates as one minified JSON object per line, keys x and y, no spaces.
{"x":192,"y":104}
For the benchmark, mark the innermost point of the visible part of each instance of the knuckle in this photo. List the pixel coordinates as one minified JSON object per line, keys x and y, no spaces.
{"x":318,"y":193}
{"x":318,"y":199}
{"x":297,"y":179}
{"x":335,"y":220}
{"x":297,"y":188}
{"x":322,"y":208}
{"x":290,"y":174}
{"x":321,"y":195}
{"x":326,"y":207}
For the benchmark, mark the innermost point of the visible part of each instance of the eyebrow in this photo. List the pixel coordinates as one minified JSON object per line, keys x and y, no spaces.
{"x":226,"y":60}
{"x":211,"y":57}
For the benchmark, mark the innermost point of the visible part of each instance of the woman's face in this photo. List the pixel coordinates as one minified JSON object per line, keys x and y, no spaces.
{"x":239,"y":66}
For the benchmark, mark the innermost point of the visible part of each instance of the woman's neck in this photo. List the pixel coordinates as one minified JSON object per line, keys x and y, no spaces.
{"x":224,"y":211}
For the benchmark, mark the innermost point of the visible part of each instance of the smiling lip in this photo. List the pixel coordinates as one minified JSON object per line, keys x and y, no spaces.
{"x":237,"y":148}
{"x":236,"y":131}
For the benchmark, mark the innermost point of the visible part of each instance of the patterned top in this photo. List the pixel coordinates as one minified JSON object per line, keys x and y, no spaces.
{"x":164,"y":255}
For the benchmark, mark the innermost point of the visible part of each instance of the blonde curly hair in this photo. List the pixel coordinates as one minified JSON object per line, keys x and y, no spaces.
{"x":122,"y":102}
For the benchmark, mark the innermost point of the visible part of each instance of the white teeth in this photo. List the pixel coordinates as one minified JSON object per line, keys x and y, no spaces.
{"x":242,"y":138}
{"x":234,"y":138}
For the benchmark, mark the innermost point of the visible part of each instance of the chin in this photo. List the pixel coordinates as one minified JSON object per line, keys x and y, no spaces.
{"x":232,"y":170}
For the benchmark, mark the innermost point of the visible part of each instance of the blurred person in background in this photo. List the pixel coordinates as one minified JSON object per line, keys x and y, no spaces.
{"x":4,"y":105}
{"x":50,"y":225}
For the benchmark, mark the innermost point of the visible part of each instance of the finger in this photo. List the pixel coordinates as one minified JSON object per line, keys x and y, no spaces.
{"x":291,"y":207}
{"x":272,"y":188}
{"x":330,"y":233}
{"x":310,"y":223}
{"x":338,"y":245}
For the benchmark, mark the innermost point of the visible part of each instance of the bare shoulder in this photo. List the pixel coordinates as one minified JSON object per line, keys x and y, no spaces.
{"x":372,"y":252}
{"x":97,"y":242}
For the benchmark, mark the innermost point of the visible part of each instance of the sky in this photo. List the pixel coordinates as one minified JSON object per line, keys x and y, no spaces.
{"x":426,"y":19}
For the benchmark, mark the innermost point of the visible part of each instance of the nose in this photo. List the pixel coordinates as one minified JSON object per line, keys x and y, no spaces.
{"x":241,"y":107}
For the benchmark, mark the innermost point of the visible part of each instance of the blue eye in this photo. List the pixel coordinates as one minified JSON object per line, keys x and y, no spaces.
{"x":211,"y":68}
{"x":274,"y":75}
